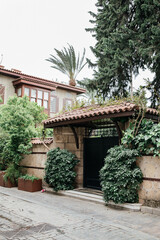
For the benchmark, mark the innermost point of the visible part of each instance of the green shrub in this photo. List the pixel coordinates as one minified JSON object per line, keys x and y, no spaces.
{"x":59,"y":170}
{"x":120,"y":177}
{"x":3,"y":140}
{"x":147,"y":140}
{"x":18,"y":118}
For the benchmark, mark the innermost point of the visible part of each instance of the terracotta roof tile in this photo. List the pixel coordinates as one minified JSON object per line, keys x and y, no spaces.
{"x":38,"y":141}
{"x":96,"y":110}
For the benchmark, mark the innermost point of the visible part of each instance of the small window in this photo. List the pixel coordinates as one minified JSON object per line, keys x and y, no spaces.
{"x":45,"y":104}
{"x":19,"y":92}
{"x":26,"y":92}
{"x":33,"y":100}
{"x":53,"y":104}
{"x":39,"y":102}
{"x":40,"y":94}
{"x":33,"y":93}
{"x":68,"y":103}
{"x":45,"y":95}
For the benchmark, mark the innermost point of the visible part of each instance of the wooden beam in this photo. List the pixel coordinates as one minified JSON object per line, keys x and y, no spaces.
{"x":119,"y":131}
{"x":75,"y":136}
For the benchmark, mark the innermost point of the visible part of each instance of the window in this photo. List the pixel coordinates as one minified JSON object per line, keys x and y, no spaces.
{"x":39,"y":102}
{"x":46,"y":95}
{"x":54,"y":104}
{"x":19,"y":92}
{"x":45,"y":102}
{"x":67,"y":103}
{"x":40,"y":94}
{"x":33,"y":100}
{"x":40,"y":98}
{"x":26,"y":92}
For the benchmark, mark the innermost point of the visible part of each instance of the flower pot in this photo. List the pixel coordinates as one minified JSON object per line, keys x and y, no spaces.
{"x":8,"y":183}
{"x":29,"y":186}
{"x":2,"y":183}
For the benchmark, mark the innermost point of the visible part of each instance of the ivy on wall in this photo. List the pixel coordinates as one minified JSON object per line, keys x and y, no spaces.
{"x":147,"y":140}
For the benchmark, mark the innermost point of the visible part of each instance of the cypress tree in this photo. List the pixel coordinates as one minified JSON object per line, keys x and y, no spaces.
{"x":147,"y":18}
{"x":127,"y":38}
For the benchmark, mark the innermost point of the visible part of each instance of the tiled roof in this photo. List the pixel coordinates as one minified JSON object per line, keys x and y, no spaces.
{"x":15,"y":73}
{"x":95,"y":111}
{"x":38,"y":141}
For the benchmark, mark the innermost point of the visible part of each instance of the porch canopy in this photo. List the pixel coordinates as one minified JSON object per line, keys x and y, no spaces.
{"x":86,"y":116}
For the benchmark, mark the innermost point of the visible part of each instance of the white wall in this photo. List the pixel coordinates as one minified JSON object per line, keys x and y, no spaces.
{"x":9,"y":88}
{"x":62,"y":94}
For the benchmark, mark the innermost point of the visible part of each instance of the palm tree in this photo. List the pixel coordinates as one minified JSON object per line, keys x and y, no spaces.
{"x":68,"y":63}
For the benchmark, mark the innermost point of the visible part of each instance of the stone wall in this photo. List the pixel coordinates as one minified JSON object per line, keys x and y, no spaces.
{"x":149,"y":193}
{"x":34,"y":163}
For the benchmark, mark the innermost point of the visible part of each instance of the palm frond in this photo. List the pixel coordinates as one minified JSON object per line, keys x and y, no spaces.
{"x":67,"y":62}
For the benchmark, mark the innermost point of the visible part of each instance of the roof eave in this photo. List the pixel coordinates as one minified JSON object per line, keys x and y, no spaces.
{"x":87,"y":119}
{"x":14,"y":74}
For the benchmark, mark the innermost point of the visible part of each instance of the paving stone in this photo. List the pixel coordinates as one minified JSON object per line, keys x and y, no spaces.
{"x":156,"y":211}
{"x":147,"y":209}
{"x":37,"y":216}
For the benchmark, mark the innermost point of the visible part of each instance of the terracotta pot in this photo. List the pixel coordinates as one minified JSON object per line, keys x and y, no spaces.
{"x":29,"y":186}
{"x":7,"y":184}
{"x":2,"y":183}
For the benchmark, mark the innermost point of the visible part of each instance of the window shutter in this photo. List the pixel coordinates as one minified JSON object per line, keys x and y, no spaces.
{"x":2,"y":91}
{"x":54,"y":108}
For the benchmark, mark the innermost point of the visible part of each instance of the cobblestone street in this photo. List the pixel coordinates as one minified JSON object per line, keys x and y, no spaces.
{"x":45,"y":216}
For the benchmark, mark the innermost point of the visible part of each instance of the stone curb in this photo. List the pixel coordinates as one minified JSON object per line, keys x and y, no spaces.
{"x":155,"y":211}
{"x":135,"y":207}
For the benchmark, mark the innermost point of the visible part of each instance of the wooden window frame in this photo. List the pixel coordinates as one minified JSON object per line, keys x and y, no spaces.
{"x":20,"y":87}
{"x":23,"y":86}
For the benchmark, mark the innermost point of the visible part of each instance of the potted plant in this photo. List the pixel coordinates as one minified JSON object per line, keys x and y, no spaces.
{"x":2,"y":182}
{"x":29,"y":183}
{"x":11,"y":175}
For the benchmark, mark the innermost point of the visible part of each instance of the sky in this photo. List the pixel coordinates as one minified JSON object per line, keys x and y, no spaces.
{"x":31,"y":29}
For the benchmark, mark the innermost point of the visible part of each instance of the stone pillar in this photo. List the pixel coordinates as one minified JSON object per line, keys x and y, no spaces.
{"x":64,"y":139}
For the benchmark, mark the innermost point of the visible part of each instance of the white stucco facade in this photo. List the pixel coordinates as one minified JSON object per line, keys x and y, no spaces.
{"x":61,"y":96}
